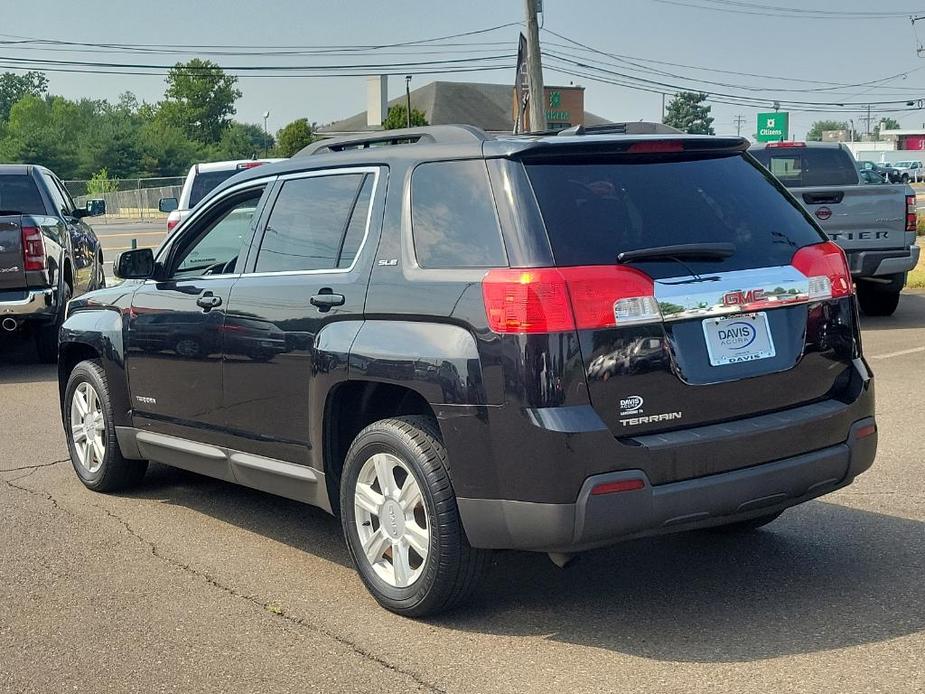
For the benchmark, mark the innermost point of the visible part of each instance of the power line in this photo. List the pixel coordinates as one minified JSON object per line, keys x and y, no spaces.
{"x":784,"y":12}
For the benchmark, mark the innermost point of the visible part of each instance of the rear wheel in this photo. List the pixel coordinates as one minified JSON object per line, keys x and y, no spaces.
{"x":401,"y":522}
{"x":91,"y":434}
{"x":877,"y":302}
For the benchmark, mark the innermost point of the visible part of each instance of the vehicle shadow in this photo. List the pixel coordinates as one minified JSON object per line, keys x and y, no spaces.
{"x":19,"y":363}
{"x":909,"y":315}
{"x":821,"y":577}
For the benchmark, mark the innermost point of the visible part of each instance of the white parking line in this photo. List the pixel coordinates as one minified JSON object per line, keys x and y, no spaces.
{"x":899,"y":354}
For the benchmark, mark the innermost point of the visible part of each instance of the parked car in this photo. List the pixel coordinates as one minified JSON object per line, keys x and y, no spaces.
{"x":547,"y":343}
{"x":875,"y":225}
{"x":872,"y":177}
{"x":200,"y":181}
{"x":909,"y":170}
{"x":887,"y":171}
{"x":48,"y":253}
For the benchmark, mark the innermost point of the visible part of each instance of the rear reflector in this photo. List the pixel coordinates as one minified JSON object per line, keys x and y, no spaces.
{"x":618,"y":486}
{"x":865,"y":431}
{"x":548,"y":300}
{"x":656,"y":146}
{"x":786,"y":144}
{"x":911,"y":213}
{"x":826,"y":267}
{"x":33,"y":249}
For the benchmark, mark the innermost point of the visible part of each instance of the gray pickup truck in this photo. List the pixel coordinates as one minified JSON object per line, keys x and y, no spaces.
{"x":874,"y":224}
{"x":48,"y":253}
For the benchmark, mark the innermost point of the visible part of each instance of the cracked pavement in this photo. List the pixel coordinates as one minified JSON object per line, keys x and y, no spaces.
{"x":188,"y":584}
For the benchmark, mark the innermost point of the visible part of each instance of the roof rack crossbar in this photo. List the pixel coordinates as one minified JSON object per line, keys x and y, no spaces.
{"x":436,"y":134}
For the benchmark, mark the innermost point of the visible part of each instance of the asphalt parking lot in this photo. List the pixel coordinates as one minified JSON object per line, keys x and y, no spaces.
{"x":190,"y":584}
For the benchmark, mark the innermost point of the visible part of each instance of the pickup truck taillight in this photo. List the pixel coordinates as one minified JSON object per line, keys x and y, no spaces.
{"x":33,"y":249}
{"x":826,"y":267}
{"x":911,"y":213}
{"x":172,"y":220}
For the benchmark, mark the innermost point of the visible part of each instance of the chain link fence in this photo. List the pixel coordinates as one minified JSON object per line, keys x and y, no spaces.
{"x":131,"y":198}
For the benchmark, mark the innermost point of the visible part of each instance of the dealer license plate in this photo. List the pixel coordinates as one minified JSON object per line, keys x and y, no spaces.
{"x":744,"y":337}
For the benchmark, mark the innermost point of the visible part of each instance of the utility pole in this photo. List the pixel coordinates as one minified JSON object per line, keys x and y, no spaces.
{"x":535,"y":69}
{"x":663,"y":107}
{"x":408,"y":98}
{"x":867,"y":120}
{"x":739,"y":121}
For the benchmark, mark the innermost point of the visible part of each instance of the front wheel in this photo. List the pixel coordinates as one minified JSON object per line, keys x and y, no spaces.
{"x":876,"y":302}
{"x":401,"y":521}
{"x":91,"y":434}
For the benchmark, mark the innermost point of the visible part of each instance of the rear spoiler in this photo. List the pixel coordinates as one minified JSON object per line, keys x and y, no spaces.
{"x":658,"y":145}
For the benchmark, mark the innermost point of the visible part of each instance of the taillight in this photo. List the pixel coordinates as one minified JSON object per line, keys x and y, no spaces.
{"x":548,"y":300}
{"x":656,"y":147}
{"x":826,"y":267}
{"x":33,"y":249}
{"x":911,"y":213}
{"x":172,"y":220}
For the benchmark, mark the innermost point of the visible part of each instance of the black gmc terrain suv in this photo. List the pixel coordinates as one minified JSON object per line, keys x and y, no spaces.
{"x":458,"y":342}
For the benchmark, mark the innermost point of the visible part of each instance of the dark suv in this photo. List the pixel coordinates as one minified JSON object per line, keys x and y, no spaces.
{"x":458,"y":342}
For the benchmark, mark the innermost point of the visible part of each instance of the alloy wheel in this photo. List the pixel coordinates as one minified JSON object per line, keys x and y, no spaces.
{"x":88,"y":427}
{"x":391,"y":520}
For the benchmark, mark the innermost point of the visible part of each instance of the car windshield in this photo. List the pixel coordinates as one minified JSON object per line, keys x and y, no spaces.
{"x":207,"y":181}
{"x":595,"y":210}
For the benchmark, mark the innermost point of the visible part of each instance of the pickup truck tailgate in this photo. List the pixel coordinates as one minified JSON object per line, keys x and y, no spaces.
{"x":861,"y":217}
{"x":12,"y":272}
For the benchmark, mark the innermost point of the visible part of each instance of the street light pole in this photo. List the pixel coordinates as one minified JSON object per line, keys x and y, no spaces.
{"x":266,"y":135}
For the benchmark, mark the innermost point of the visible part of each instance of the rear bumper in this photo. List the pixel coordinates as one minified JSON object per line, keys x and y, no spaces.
{"x":31,"y":303}
{"x":879,"y":263}
{"x":598,"y":520}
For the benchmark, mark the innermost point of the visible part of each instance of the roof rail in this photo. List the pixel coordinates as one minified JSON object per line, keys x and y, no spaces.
{"x":436,"y":134}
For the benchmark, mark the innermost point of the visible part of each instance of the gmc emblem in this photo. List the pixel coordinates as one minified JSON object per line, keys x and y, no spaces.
{"x":738,"y":297}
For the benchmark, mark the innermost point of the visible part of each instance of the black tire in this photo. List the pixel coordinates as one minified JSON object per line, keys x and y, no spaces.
{"x":745,"y":526}
{"x":116,"y":471}
{"x":46,"y":336}
{"x":452,"y":569}
{"x":875,"y":302}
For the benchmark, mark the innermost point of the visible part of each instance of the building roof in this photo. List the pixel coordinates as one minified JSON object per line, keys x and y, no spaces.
{"x":486,"y":106}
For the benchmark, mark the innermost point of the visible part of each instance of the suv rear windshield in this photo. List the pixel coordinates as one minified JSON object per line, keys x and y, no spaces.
{"x":205,"y":183}
{"x":808,"y":166}
{"x":594,"y":210}
{"x":18,"y":193}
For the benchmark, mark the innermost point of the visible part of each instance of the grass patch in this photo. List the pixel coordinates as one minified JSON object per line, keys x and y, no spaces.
{"x":917,"y":275}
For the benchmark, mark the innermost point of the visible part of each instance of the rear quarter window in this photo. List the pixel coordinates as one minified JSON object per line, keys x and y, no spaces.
{"x":593,"y":210}
{"x":453,"y":218}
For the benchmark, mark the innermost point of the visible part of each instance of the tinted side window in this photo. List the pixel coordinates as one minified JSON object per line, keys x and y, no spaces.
{"x":453,"y":216}
{"x":308,"y":223}
{"x":205,"y":183}
{"x":356,"y":230}
{"x":56,"y":196}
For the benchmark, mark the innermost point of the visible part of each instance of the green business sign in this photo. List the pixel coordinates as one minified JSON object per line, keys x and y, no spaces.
{"x":773,"y":127}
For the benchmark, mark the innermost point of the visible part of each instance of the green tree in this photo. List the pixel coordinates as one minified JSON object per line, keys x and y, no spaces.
{"x":242,"y":141}
{"x":200,"y":99}
{"x":688,"y":112}
{"x":398,"y":118}
{"x":294,"y":136}
{"x":14,"y":87}
{"x":42,"y":131}
{"x":101,"y":183}
{"x":820,"y":126}
{"x":885,"y":124}
{"x":166,"y":150}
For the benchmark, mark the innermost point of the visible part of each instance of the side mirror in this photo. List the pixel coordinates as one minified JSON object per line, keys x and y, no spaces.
{"x":167,"y":204}
{"x":137,"y":264}
{"x":96,"y":207}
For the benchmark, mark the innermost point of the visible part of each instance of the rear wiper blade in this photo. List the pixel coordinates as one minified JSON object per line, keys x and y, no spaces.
{"x":681,"y":250}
